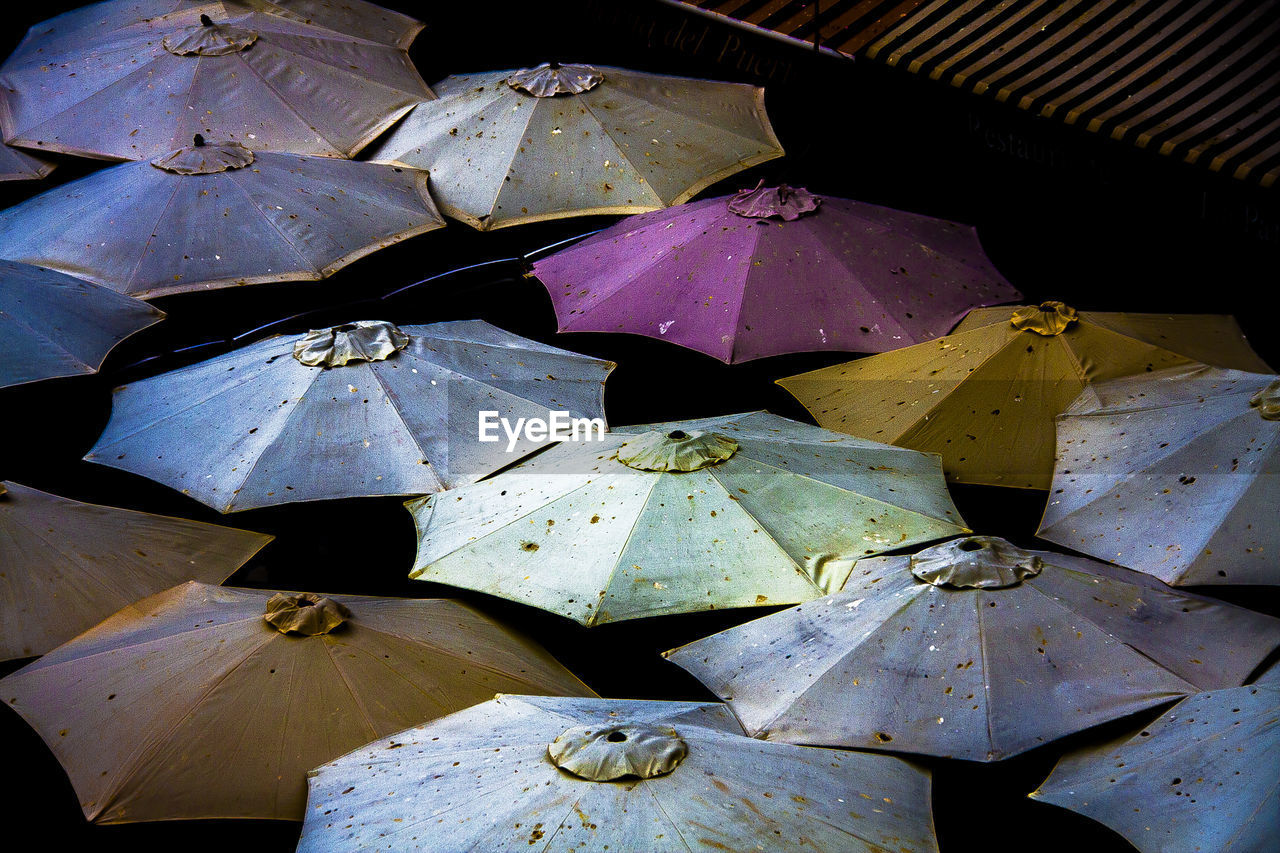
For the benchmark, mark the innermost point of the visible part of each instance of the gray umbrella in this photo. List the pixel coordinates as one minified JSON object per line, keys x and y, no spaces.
{"x":542,"y":773}
{"x":55,"y":325}
{"x":1205,"y":776}
{"x":1174,"y":473}
{"x":975,"y":649}
{"x":509,"y":147}
{"x":361,"y":409}
{"x":733,"y":511}
{"x":17,"y":165}
{"x":130,"y":80}
{"x":217,"y":215}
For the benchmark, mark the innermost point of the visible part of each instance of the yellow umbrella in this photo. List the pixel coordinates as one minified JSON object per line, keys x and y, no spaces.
{"x":985,"y":396}
{"x":213,"y":702}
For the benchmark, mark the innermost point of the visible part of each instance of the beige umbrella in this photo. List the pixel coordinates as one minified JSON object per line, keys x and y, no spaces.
{"x":509,"y":147}
{"x":213,"y":702}
{"x":985,"y":396}
{"x":131,"y":80}
{"x":734,"y":511}
{"x":546,"y":773}
{"x":217,"y":215}
{"x":975,"y":649}
{"x":68,"y":565}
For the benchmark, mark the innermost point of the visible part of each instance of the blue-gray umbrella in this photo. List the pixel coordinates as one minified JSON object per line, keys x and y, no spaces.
{"x":1174,"y":473}
{"x":367,"y":408}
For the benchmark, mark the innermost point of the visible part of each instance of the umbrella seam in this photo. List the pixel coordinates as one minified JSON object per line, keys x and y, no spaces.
{"x":355,"y":700}
{"x":515,"y":152}
{"x":306,"y":264}
{"x":287,"y":105}
{"x":142,"y":256}
{"x":653,"y":794}
{"x":622,"y":549}
{"x":44,"y":662}
{"x":986,"y":677}
{"x":395,"y":409}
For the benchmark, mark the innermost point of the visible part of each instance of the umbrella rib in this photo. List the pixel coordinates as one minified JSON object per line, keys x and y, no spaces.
{"x":364,"y":713}
{"x":654,"y":795}
{"x":45,"y":663}
{"x":986,"y":675}
{"x":177,"y":185}
{"x":407,"y":429}
{"x":307,"y":265}
{"x":288,"y":106}
{"x":515,"y":152}
{"x":41,"y":336}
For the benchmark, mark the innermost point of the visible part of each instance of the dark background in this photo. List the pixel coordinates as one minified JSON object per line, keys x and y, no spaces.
{"x":1062,"y":213}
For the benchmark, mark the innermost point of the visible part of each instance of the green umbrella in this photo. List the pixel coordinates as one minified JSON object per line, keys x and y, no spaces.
{"x":734,"y":511}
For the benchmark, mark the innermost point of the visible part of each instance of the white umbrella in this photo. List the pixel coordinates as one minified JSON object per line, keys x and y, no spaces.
{"x":509,"y":147}
{"x":536,"y":773}
{"x":975,"y":649}
{"x":1174,"y":473}
{"x":217,"y":215}
{"x":734,"y":511}
{"x":131,"y":80}
{"x":56,"y":325}
{"x":367,"y":408}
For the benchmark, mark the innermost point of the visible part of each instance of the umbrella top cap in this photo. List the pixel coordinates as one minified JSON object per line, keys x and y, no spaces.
{"x":209,"y":39}
{"x":551,"y":78}
{"x":1047,"y":318}
{"x":305,"y":614}
{"x":1266,"y":401}
{"x":201,"y":158}
{"x":604,"y":753}
{"x":336,"y":346}
{"x":975,"y":562}
{"x":788,"y":203}
{"x":676,"y":450}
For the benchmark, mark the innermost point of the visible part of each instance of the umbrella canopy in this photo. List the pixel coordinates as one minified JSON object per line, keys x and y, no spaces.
{"x":509,"y":147}
{"x":985,"y":396}
{"x":17,"y":165}
{"x":362,"y":409}
{"x":205,"y":701}
{"x":1175,"y":474}
{"x":217,"y":215}
{"x":735,"y":511}
{"x":525,"y":772}
{"x":774,"y":270}
{"x":131,"y":80}
{"x":1205,"y":776}
{"x":55,"y":325}
{"x":68,"y":565}
{"x":975,"y":649}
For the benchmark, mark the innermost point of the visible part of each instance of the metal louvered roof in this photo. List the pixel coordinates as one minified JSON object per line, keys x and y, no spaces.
{"x":1197,"y":80}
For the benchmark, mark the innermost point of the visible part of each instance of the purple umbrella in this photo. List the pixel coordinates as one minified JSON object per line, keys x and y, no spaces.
{"x":774,"y":270}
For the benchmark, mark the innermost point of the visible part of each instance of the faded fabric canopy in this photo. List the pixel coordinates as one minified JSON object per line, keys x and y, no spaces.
{"x":1205,"y":776}
{"x":1176,"y":474}
{"x":509,"y":147}
{"x":362,"y":409}
{"x":56,"y":325}
{"x":526,"y":772}
{"x":734,"y":511}
{"x":985,"y":396}
{"x":129,"y":80}
{"x":217,"y":215}
{"x":975,"y":649}
{"x":68,"y":565}
{"x":774,"y":270}
{"x":213,"y":702}
{"x":17,"y":165}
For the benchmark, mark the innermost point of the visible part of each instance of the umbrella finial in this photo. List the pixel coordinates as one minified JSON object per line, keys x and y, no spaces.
{"x":615,"y":750}
{"x":304,"y":613}
{"x":1047,"y":318}
{"x":975,"y":562}
{"x":366,"y":340}
{"x":206,"y":21}
{"x":552,"y":78}
{"x":198,"y":140}
{"x":1267,"y":401}
{"x":676,"y":450}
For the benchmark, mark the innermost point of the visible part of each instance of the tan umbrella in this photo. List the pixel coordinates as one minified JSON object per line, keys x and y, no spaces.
{"x":545,"y":773}
{"x":975,"y":649}
{"x":129,"y":80}
{"x":733,"y":511}
{"x":985,"y":396}
{"x":509,"y":147}
{"x":68,"y":565}
{"x":213,"y":215}
{"x":213,"y":702}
